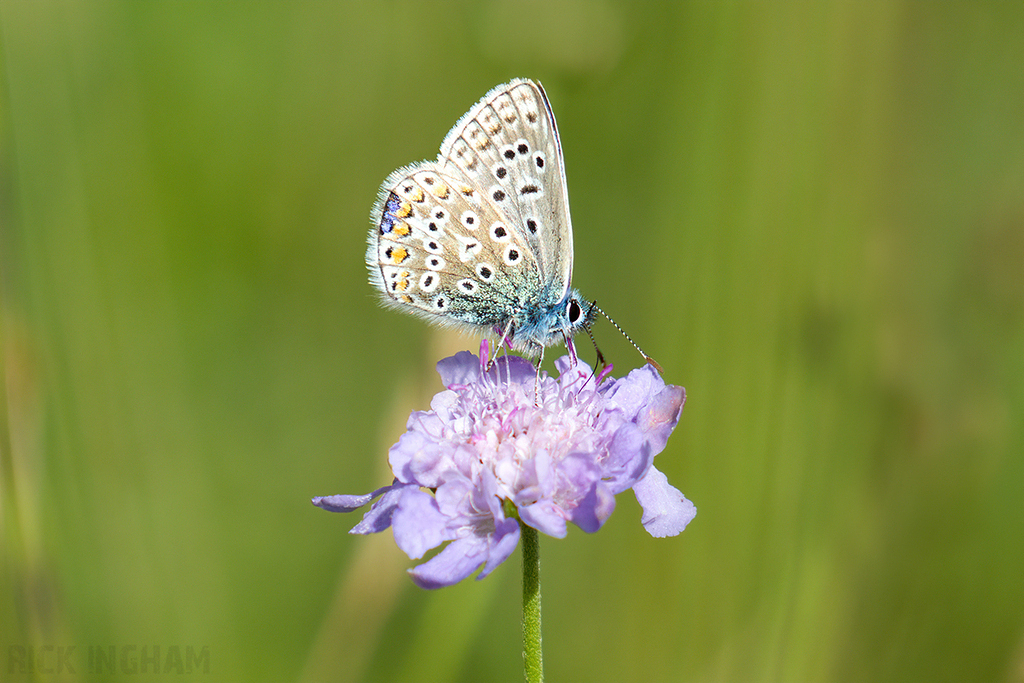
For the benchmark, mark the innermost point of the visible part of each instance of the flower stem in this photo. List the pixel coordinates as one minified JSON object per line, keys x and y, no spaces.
{"x":532,"y":655}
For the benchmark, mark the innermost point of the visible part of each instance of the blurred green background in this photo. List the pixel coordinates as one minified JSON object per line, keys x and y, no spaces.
{"x":811,"y":214}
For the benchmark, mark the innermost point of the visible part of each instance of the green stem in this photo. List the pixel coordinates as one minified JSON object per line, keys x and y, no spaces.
{"x":532,"y":655}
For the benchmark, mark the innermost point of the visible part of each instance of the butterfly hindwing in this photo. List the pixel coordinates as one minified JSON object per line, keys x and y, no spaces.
{"x":443,"y":248}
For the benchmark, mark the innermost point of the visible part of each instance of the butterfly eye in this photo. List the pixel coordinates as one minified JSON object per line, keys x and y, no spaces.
{"x":574,"y":311}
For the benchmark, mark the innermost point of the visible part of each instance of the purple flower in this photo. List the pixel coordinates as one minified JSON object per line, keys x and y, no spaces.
{"x":503,"y":440}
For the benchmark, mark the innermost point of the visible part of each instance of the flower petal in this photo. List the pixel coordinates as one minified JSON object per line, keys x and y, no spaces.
{"x":457,"y":561}
{"x":462,"y":368}
{"x":347,"y":503}
{"x":544,"y":516}
{"x":633,"y":391}
{"x":629,"y":457}
{"x":569,"y":374}
{"x":342,"y":503}
{"x":501,"y":544}
{"x":666,"y":510}
{"x":595,"y":508}
{"x":418,"y":458}
{"x":661,"y":415}
{"x":419,"y":524}
{"x":378,"y":518}
{"x":513,"y":370}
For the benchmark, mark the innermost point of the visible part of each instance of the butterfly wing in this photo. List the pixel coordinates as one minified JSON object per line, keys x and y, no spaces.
{"x":507,"y":145}
{"x":481,"y":238}
{"x":441,"y":248}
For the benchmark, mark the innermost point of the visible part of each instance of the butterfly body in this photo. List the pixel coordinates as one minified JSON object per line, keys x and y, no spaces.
{"x":481,"y":239}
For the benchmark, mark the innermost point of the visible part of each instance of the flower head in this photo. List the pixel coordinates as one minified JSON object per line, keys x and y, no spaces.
{"x":556,"y":450}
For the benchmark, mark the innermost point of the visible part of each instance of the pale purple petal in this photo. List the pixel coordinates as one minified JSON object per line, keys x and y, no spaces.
{"x":379,"y":516}
{"x":460,"y":369}
{"x":377,"y":519}
{"x":630,"y":457}
{"x":457,"y":561}
{"x":455,"y":499}
{"x":347,"y":503}
{"x":418,"y":458}
{"x":418,"y":524}
{"x":544,"y":516}
{"x":513,"y":370}
{"x":595,"y":508}
{"x":505,"y":540}
{"x":666,"y":510}
{"x":428,"y":422}
{"x":661,"y":415}
{"x":633,"y":391}
{"x":441,"y":407}
{"x":569,"y":373}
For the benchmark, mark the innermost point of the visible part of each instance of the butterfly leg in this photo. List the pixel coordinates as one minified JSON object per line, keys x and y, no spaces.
{"x":536,"y":381}
{"x":503,"y":342}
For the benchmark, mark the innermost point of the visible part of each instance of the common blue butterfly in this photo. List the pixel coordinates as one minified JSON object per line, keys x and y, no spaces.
{"x":480,"y":240}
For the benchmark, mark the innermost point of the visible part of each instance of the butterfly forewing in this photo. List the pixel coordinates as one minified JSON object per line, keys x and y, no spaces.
{"x":508,"y":146}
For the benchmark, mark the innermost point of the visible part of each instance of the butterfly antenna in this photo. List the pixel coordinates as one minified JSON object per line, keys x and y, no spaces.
{"x":623,"y":332}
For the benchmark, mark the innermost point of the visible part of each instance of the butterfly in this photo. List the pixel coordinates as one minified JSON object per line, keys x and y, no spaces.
{"x":480,"y":240}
